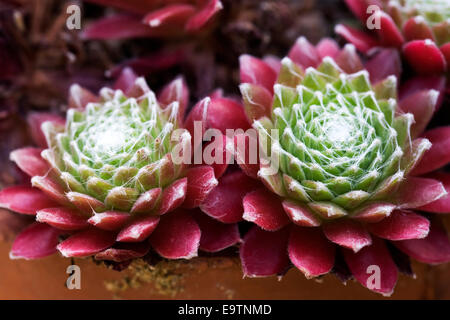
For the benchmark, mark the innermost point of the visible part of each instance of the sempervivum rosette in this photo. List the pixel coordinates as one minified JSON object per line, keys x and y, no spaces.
{"x":105,"y":182}
{"x":421,"y":28}
{"x":153,"y":18}
{"x":348,"y":155}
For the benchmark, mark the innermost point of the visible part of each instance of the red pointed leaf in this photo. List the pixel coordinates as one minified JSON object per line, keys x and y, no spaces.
{"x":224,"y":203}
{"x":177,"y":236}
{"x":389,"y":34}
{"x":173,"y":196}
{"x":416,"y":192}
{"x":265,"y":209}
{"x":256,"y":71}
{"x":401,"y":225}
{"x":441,"y":205}
{"x":420,"y":83}
{"x":374,"y":212}
{"x":147,"y":200}
{"x":138,"y":230}
{"x":200,"y":182}
{"x":121,"y":26}
{"x":384,"y":64}
{"x":310,"y":251}
{"x":300,"y":214}
{"x":62,"y":218}
{"x":373,"y":263}
{"x":434,"y":249}
{"x":38,"y":240}
{"x":348,"y":233}
{"x":422,"y":105}
{"x":169,"y":17}
{"x":348,"y":59}
{"x":327,"y":47}
{"x":425,"y":57}
{"x":257,"y":101}
{"x":24,"y":199}
{"x":109,"y":220}
{"x":176,"y":90}
{"x":216,"y":236}
{"x":439,"y":154}
{"x":125,"y":80}
{"x":263,"y":253}
{"x":416,"y":28}
{"x":217,"y":113}
{"x":361,"y":40}
{"x":86,"y":243}
{"x":203,"y":16}
{"x":85,"y":203}
{"x":304,"y":54}
{"x":29,"y":160}
{"x":246,"y":154}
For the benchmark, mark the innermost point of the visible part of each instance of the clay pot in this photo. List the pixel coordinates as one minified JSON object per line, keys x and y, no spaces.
{"x":200,"y":278}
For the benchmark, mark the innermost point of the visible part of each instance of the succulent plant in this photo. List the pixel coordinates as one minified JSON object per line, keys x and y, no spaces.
{"x":421,"y":29}
{"x":153,"y":18}
{"x":349,"y":154}
{"x":105,"y":182}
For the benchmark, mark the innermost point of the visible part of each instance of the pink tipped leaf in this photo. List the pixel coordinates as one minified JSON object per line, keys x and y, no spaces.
{"x":439,"y":154}
{"x":433,"y":249}
{"x":62,"y":218}
{"x":173,"y":196}
{"x":38,"y":240}
{"x":25,"y":199}
{"x":424,"y":57}
{"x":300,"y":214}
{"x":347,"y":233}
{"x":401,"y":225}
{"x":176,"y":91}
{"x":170,"y":18}
{"x":121,"y":26}
{"x":29,"y":160}
{"x":138,"y":230}
{"x":224,"y":203}
{"x":416,"y":192}
{"x":86,"y":243}
{"x":109,"y":220}
{"x":361,"y":40}
{"x":125,"y":80}
{"x":265,"y":210}
{"x":304,"y":54}
{"x":200,"y":182}
{"x":441,"y":205}
{"x":256,"y":71}
{"x":422,"y":105}
{"x":204,"y":15}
